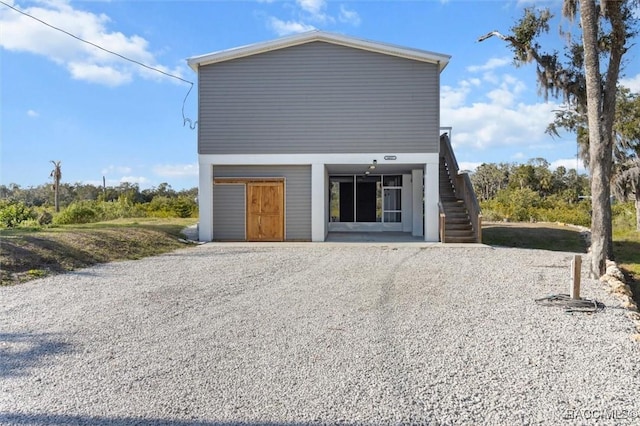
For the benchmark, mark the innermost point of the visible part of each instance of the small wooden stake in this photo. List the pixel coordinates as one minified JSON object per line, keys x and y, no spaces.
{"x":576,"y":266}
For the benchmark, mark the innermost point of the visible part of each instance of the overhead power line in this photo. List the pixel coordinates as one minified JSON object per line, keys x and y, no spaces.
{"x":186,"y":120}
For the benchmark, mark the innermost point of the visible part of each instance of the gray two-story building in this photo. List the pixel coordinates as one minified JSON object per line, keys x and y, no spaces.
{"x":317,"y":133}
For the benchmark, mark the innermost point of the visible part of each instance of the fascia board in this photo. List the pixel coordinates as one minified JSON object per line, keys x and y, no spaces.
{"x":226,"y":55}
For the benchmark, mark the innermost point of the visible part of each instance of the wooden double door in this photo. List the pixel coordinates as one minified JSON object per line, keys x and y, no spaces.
{"x":265,"y":211}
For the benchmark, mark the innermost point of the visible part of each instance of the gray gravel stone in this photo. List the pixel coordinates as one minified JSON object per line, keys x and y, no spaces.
{"x":316,"y":333}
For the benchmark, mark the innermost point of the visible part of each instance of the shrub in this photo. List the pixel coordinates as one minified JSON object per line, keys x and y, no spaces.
{"x":517,"y":205}
{"x":184,"y":207}
{"x":31,"y":224}
{"x":45,"y":218}
{"x":12,"y":213}
{"x":77,"y":212}
{"x":624,"y":216}
{"x":566,"y":214}
{"x":122,"y":208}
{"x":490,"y":215}
{"x":159,"y":206}
{"x":95,"y":211}
{"x":162,"y":206}
{"x":524,"y":205}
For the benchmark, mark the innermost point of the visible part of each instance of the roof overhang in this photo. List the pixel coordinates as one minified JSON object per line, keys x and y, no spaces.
{"x":311,"y":36}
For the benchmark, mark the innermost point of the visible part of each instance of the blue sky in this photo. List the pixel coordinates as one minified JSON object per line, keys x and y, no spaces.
{"x":101,"y":116}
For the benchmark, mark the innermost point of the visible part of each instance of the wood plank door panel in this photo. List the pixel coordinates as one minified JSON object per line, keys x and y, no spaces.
{"x":265,"y":211}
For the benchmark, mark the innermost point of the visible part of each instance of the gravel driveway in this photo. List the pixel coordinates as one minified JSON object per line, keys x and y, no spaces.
{"x":316,"y":333}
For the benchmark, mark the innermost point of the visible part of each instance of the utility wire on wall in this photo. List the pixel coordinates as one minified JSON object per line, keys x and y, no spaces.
{"x":185,"y":120}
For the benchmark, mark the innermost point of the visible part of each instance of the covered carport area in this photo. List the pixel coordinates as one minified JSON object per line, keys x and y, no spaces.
{"x":395,"y":195}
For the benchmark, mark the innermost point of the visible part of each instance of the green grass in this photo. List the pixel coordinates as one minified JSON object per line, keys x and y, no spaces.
{"x":626,"y":248}
{"x":36,"y":273}
{"x":543,"y":236}
{"x":26,"y":254}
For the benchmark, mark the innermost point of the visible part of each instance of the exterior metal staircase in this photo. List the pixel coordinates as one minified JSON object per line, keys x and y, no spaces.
{"x":460,"y":216}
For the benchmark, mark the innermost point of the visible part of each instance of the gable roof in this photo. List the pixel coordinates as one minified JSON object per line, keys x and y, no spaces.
{"x":307,"y":37}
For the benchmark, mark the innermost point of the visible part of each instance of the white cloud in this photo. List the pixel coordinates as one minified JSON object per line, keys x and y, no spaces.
{"x":508,"y":91}
{"x":288,"y":27}
{"x":306,"y":14}
{"x":490,"y":77}
{"x":176,"y":170}
{"x":140,"y":180}
{"x":491,"y":64}
{"x":101,"y":74}
{"x":468,"y":165}
{"x":518,"y":156}
{"x":83,"y":61}
{"x":315,"y":11}
{"x":312,"y":6}
{"x":632,"y":83}
{"x":349,"y":16}
{"x":499,"y":118}
{"x":108,"y":182}
{"x":483,"y":125}
{"x":451,"y":97}
{"x":33,"y":114}
{"x":568,"y":163}
{"x":501,"y":96}
{"x":109,"y":170}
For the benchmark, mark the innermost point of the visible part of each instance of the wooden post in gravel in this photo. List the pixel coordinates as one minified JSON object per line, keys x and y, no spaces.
{"x":576,"y":266}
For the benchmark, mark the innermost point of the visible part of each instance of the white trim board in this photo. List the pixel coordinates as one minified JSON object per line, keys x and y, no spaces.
{"x":311,"y":36}
{"x":306,"y":159}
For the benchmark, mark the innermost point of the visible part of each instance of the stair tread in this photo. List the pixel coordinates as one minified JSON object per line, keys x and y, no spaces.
{"x":459,"y":221}
{"x":460,"y":240}
{"x":458,"y":227}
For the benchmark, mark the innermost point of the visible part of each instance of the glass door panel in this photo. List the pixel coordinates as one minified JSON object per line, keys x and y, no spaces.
{"x":341,"y":199}
{"x":365,"y":202}
{"x":368,"y":193}
{"x":392,"y":205}
{"x":392,"y":217}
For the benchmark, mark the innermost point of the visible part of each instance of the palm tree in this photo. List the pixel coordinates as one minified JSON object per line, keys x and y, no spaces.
{"x":56,"y":175}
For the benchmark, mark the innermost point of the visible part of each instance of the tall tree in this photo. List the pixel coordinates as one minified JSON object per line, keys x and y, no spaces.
{"x":588,"y":85}
{"x":626,"y":143}
{"x":488,"y":179}
{"x":56,"y":175}
{"x":626,"y":126}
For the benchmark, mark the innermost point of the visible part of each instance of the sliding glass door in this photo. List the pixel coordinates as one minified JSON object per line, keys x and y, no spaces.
{"x":392,"y":194}
{"x":365,"y":202}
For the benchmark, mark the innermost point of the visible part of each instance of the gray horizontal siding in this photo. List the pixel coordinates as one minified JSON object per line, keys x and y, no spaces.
{"x":229,"y":212}
{"x":318,"y":98}
{"x":297,"y":196}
